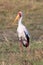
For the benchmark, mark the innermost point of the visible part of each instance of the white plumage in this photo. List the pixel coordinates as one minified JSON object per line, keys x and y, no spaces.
{"x":22,"y":32}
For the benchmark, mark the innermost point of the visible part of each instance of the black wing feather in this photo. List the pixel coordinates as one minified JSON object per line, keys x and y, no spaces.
{"x":27,"y":37}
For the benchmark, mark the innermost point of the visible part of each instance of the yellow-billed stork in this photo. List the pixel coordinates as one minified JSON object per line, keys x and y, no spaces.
{"x":22,"y":32}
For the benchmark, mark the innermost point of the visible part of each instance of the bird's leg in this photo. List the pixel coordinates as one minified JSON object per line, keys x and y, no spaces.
{"x":28,"y":51}
{"x":21,"y":48}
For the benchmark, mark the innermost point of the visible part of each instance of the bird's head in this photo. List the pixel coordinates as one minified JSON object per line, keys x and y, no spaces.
{"x":19,"y":15}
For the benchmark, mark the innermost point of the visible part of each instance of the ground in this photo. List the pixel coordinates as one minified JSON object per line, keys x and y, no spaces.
{"x":33,"y":20}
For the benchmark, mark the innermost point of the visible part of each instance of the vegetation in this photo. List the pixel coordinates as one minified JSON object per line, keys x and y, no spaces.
{"x":9,"y":44}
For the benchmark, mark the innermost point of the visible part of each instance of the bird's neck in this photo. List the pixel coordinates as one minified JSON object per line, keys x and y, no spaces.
{"x":20,"y":21}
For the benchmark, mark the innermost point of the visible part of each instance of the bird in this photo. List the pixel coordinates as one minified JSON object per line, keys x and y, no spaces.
{"x":22,"y":32}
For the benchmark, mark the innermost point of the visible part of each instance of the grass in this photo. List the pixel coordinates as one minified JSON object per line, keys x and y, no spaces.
{"x":33,"y":20}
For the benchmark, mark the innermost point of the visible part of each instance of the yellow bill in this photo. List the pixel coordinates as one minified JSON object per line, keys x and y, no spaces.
{"x":17,"y":17}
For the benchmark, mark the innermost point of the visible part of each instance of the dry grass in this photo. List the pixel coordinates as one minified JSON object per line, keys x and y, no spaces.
{"x":33,"y":19}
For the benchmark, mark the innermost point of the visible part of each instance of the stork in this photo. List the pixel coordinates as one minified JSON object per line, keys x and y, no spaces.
{"x":22,"y":31}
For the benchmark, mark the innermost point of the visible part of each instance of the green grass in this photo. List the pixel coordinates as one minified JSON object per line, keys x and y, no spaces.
{"x":33,"y":20}
{"x":33,"y":57}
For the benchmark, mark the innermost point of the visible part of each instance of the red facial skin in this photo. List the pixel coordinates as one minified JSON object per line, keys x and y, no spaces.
{"x":19,"y":14}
